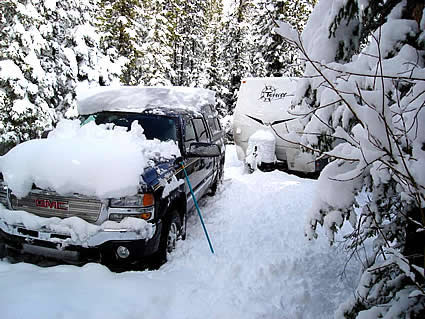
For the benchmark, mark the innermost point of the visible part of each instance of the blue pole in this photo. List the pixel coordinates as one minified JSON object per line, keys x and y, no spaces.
{"x":197,"y":208}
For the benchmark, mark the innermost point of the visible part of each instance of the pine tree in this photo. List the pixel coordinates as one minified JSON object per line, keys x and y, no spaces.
{"x":188,"y":42}
{"x":276,"y":57}
{"x":156,"y":49}
{"x":214,"y":73}
{"x":237,"y":48}
{"x":123,"y":24}
{"x":46,"y":49}
{"x":365,"y":87}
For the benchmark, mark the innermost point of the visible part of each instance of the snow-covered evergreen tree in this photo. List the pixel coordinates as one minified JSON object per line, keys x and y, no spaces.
{"x":363,"y":97}
{"x":237,"y":47}
{"x":22,"y":80}
{"x":214,"y":74}
{"x":46,"y":48}
{"x":157,"y":48}
{"x":189,"y":42}
{"x":123,"y":27}
{"x":274,"y":56}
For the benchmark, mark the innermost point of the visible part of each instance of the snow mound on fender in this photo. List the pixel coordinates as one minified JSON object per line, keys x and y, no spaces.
{"x":90,"y":160}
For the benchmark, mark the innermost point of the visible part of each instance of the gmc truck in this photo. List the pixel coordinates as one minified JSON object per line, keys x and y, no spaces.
{"x":163,"y":115}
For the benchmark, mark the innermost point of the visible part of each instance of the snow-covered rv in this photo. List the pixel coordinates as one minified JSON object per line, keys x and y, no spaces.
{"x":263,"y":125}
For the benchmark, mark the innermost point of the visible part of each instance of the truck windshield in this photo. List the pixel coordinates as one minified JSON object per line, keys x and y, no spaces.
{"x":155,"y":126}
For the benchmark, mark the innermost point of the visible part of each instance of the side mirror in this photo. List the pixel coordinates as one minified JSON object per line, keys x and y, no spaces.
{"x":203,"y":150}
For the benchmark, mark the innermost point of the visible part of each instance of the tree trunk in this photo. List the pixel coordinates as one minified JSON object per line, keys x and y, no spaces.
{"x":414,"y":248}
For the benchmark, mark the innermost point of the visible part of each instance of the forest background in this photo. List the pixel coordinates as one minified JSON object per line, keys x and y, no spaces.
{"x":49,"y":48}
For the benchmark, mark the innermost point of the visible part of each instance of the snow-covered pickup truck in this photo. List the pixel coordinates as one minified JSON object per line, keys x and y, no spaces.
{"x":110,"y":187}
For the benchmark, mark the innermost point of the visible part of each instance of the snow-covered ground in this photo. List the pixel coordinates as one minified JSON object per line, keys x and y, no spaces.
{"x":263,"y":266}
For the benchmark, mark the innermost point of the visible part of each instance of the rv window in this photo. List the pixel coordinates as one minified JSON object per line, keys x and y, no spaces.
{"x":201,"y":132}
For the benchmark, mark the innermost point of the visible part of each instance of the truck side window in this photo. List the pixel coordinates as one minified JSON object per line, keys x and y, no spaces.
{"x":217,"y":122}
{"x":189,"y":134}
{"x":211,"y":123}
{"x":201,"y":131}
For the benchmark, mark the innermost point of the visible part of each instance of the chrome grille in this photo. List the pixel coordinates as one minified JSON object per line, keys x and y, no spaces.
{"x":83,"y":207}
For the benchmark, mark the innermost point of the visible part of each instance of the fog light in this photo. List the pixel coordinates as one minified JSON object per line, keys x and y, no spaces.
{"x":146,"y":215}
{"x":123,"y":252}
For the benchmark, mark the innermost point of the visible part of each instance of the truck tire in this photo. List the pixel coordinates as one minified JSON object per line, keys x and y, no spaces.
{"x":3,"y":252}
{"x":218,"y":180}
{"x":169,"y":235}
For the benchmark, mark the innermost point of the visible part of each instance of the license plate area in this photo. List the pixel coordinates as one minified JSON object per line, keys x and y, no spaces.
{"x":41,"y":235}
{"x":28,"y":232}
{"x":50,"y":252}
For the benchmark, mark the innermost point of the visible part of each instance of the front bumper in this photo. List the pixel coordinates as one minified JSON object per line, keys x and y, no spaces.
{"x":100,"y":247}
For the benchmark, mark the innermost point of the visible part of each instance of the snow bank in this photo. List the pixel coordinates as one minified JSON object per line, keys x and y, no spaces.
{"x":133,"y":99}
{"x":263,"y":266}
{"x":91,"y":160}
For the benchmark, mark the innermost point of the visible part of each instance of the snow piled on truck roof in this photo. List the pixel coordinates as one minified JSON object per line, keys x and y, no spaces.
{"x":91,"y":160}
{"x":137,"y":99}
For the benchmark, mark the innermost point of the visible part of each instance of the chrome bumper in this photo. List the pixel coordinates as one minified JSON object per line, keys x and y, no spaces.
{"x":63,"y":240}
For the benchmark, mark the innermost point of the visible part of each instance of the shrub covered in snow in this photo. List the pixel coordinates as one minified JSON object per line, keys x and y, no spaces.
{"x":363,"y":100}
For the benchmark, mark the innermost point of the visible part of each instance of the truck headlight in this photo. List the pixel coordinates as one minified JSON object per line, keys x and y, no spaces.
{"x":136,"y":201}
{"x":118,"y":214}
{"x":137,"y":206}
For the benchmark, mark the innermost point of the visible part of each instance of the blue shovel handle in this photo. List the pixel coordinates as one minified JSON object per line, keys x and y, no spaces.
{"x":197,"y":208}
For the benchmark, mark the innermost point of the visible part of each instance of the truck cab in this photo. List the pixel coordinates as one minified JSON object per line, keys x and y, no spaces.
{"x":131,"y":229}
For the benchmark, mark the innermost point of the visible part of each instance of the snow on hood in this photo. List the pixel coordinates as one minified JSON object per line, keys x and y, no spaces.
{"x":133,"y":99}
{"x":90,"y":160}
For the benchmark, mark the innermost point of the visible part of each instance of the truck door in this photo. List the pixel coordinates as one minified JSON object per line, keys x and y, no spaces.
{"x":200,"y":170}
{"x":206,"y":163}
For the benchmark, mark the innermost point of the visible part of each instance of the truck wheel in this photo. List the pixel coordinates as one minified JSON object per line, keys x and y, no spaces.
{"x":218,"y":179}
{"x":173,"y":232}
{"x":184,"y":227}
{"x":2,"y":250}
{"x":169,"y":235}
{"x":213,"y":188}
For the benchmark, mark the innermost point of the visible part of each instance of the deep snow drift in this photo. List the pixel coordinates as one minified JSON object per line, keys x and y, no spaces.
{"x":263,"y":266}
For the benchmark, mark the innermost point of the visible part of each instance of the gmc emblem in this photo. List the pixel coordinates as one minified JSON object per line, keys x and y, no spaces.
{"x":45,"y":203}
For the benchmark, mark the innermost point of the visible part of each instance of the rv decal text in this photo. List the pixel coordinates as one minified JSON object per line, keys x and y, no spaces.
{"x":270,"y":93}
